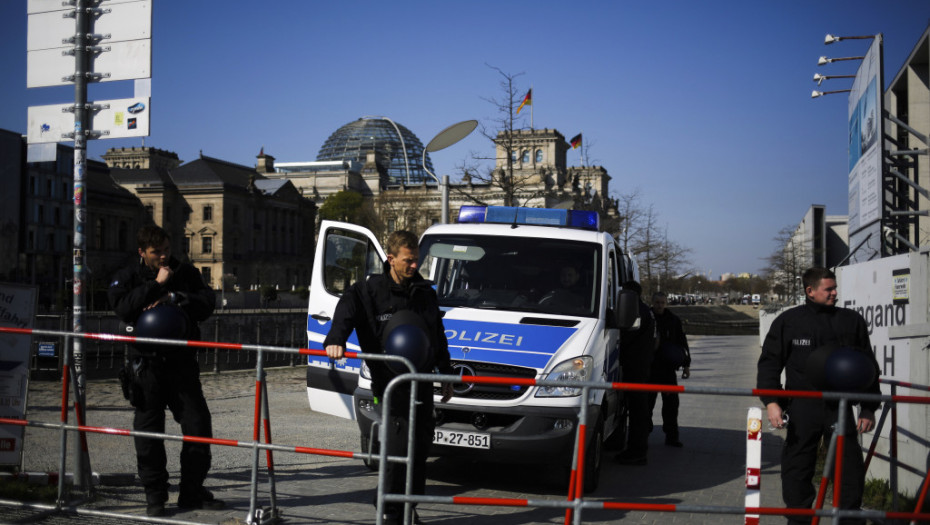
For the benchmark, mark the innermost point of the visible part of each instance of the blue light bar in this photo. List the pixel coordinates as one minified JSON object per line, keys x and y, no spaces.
{"x":472,"y":213}
{"x":588,"y":220}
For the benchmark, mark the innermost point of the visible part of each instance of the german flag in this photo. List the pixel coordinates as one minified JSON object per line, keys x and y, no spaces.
{"x":576,"y":141}
{"x":528,"y":99}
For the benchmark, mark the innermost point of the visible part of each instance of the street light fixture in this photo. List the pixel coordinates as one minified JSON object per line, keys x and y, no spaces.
{"x":815,"y":94}
{"x":824,"y":60}
{"x":829,"y":39}
{"x":818,"y":78}
{"x":442,"y":140}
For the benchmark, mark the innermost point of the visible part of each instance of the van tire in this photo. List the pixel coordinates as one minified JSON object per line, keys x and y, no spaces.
{"x":594,"y":455}
{"x":375,"y":450}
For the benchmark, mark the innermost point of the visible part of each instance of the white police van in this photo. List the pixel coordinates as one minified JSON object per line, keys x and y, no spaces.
{"x":525,"y":292}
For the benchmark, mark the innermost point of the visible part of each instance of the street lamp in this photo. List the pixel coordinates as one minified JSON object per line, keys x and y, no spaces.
{"x":818,"y":78}
{"x":442,"y":140}
{"x":829,"y":39}
{"x":822,"y":61}
{"x":815,"y":94}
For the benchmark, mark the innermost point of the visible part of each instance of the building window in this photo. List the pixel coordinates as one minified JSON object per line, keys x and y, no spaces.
{"x":50,"y":242}
{"x":539,"y":155}
{"x":208,"y":213}
{"x":48,"y":188}
{"x":526,"y":156}
{"x":32,"y":184}
{"x":31,"y":243}
{"x":40,"y":214}
{"x":123,"y":239}
{"x":98,"y":234}
{"x":57,"y":214}
{"x":391,"y":225}
{"x":187,"y":245}
{"x":208,"y":245}
{"x":207,"y":277}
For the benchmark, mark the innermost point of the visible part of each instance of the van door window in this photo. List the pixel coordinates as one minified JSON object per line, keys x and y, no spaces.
{"x":349,"y":256}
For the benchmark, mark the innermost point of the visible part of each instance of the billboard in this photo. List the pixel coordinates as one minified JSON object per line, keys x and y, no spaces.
{"x":17,"y":310}
{"x":865,"y":157}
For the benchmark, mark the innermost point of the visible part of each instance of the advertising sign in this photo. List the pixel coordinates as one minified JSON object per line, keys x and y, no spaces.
{"x":17,"y":309}
{"x":865,"y":155}
{"x":125,"y":118}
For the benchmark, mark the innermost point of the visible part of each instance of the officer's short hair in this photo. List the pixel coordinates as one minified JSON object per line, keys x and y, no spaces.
{"x":401,"y":239}
{"x":813,"y":276}
{"x":151,"y":237}
{"x":659,"y":295}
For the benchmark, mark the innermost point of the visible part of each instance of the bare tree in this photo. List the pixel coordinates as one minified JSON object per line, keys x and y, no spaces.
{"x":502,"y":131}
{"x":787,"y":263}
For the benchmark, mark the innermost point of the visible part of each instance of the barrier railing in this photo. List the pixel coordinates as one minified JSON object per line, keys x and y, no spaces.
{"x":574,"y":505}
{"x":576,"y":502}
{"x":261,"y":420}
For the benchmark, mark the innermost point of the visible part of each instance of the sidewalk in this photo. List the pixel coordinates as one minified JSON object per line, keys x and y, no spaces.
{"x":709,"y":470}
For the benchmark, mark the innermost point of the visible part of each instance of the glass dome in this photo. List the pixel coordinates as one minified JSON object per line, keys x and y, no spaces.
{"x":389,"y":139}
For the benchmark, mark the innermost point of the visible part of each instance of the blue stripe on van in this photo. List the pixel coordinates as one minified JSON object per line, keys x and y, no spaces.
{"x":510,"y":344}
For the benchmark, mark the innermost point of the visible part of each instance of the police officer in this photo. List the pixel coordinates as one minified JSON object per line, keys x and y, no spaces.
{"x":672,"y":340}
{"x":166,"y":376}
{"x":637,"y":349}
{"x":367,"y":307}
{"x":793,"y":336}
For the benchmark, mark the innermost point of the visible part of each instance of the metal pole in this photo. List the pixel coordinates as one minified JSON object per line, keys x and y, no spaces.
{"x":256,"y":425}
{"x":445,"y":199}
{"x":81,"y":29}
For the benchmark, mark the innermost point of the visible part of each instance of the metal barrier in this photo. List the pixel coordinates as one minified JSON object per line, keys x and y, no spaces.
{"x":574,"y":505}
{"x":261,"y":419}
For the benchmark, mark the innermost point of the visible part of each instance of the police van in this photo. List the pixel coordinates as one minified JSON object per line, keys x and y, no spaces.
{"x":524,"y":292}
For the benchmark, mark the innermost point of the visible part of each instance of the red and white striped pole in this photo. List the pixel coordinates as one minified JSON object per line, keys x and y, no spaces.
{"x":753,"y":462}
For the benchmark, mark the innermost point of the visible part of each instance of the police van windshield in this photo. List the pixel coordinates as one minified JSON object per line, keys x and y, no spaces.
{"x":550,"y":276}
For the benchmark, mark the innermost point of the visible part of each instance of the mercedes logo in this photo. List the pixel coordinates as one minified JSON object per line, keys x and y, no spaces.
{"x":463,"y":370}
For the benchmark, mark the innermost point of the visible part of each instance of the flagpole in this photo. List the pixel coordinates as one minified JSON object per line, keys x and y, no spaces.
{"x":532,"y":106}
{"x":582,"y":148}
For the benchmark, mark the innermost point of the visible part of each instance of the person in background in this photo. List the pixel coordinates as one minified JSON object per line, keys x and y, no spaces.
{"x":673,"y":354}
{"x":637,"y":351}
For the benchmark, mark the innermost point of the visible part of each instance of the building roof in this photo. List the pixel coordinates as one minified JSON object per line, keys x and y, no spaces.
{"x":152,"y":176}
{"x":212,"y":171}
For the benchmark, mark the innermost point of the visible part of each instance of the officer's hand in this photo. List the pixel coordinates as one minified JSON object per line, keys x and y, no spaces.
{"x":685,"y":373}
{"x":775,"y":415}
{"x":164,"y":273}
{"x":446,"y":392}
{"x":163,"y":299}
{"x":335,"y":351}
{"x":866,"y":421}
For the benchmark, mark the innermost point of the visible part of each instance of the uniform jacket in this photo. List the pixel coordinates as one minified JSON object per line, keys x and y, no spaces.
{"x":134,"y":287}
{"x":796,"y":333}
{"x":669,"y":328}
{"x":368,"y":305}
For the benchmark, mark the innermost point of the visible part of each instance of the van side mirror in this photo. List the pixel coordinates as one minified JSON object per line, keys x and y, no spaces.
{"x":627,"y":312}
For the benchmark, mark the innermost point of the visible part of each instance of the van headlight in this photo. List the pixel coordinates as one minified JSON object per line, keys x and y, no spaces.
{"x":574,"y":369}
{"x":364,"y":371}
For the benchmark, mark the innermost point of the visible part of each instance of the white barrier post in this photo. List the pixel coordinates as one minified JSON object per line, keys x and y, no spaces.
{"x":753,"y":462}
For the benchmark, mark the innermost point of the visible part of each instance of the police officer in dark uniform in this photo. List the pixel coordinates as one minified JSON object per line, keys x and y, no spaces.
{"x":793,"y":336}
{"x":665,"y":366}
{"x":637,"y":350}
{"x":166,"y":376}
{"x":367,"y":307}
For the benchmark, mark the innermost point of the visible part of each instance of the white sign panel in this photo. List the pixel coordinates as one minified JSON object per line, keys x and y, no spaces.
{"x":125,"y":61}
{"x":125,"y":21}
{"x":865,"y":130}
{"x":875,"y":289}
{"x":125,"y":118}
{"x":17,"y":309}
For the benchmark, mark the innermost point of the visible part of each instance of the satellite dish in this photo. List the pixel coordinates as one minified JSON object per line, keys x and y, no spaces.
{"x":451,"y":135}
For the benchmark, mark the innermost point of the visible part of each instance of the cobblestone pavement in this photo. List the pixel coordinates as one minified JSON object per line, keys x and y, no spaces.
{"x":709,"y":470}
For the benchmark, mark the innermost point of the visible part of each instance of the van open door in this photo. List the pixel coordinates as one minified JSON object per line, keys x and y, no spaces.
{"x":345,"y":253}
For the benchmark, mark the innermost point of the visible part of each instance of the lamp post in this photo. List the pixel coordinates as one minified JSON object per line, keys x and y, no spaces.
{"x":815,"y":93}
{"x":442,"y":140}
{"x":822,"y":61}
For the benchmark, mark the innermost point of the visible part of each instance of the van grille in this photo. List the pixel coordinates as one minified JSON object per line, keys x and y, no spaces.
{"x":493,"y":391}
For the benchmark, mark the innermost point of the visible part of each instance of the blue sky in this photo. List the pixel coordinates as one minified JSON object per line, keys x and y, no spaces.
{"x":704,"y":107}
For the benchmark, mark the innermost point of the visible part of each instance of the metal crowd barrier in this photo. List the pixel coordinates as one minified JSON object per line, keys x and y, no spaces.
{"x":256,"y":515}
{"x":574,"y":505}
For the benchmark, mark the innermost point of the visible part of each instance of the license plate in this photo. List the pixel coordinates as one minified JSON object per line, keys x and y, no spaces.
{"x":455,"y":438}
